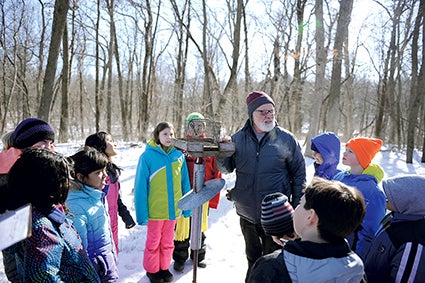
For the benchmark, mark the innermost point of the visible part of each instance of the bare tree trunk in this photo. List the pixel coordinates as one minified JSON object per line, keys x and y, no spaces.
{"x":418,"y":82}
{"x":319,"y":83}
{"x":332,"y":112}
{"x":64,"y":116}
{"x":230,"y":88}
{"x":277,"y":75}
{"x":180,"y":72}
{"x":207,"y":96}
{"x":111,"y":48}
{"x":125,"y":105}
{"x":41,"y":46}
{"x":59,"y":21}
{"x":147,"y":73}
{"x":296,"y":84}
{"x":97,"y":95}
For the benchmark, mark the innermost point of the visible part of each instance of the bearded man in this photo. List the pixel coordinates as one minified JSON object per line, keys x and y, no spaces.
{"x":267,"y":159}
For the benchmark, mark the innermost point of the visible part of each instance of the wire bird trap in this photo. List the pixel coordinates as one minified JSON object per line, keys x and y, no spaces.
{"x":202,"y":139}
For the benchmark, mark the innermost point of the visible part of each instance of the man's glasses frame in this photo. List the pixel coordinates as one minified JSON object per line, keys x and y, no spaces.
{"x":265,"y":112}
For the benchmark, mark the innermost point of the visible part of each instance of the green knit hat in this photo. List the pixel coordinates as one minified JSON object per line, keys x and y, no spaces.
{"x":193,"y":116}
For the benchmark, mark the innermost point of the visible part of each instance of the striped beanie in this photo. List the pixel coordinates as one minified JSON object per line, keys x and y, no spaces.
{"x":276,"y":215}
{"x":31,"y":131}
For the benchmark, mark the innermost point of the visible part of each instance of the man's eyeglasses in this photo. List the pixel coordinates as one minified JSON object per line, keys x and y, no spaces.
{"x":265,"y":112}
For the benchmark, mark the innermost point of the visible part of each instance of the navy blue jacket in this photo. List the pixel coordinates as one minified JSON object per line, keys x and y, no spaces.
{"x":398,"y":250}
{"x":275,"y":164}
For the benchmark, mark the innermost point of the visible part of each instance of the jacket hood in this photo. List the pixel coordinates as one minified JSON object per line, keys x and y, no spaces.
{"x":323,"y":262}
{"x":375,"y":170}
{"x":151,"y":145}
{"x":406,"y":194}
{"x":329,"y":146}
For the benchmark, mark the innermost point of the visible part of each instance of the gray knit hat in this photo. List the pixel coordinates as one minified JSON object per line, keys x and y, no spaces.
{"x":277,"y":215}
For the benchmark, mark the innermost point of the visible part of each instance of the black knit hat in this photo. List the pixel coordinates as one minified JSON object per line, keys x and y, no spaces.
{"x":31,"y":131}
{"x":277,"y":215}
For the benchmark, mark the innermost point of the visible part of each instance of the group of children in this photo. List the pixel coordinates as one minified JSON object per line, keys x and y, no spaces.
{"x":339,"y":231}
{"x":76,"y":214}
{"x":342,"y":231}
{"x":75,"y":206}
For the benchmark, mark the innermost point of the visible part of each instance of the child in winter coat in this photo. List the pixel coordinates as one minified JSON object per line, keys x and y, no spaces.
{"x":326,"y":149}
{"x":86,"y":202}
{"x":161,"y":180}
{"x":364,"y":176}
{"x":29,"y":133}
{"x":397,"y":252}
{"x":103,"y":142}
{"x":53,"y":252}
{"x":195,"y":125}
{"x":327,"y":213}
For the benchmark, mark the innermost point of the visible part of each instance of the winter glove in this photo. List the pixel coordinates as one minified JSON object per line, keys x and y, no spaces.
{"x":229,"y":194}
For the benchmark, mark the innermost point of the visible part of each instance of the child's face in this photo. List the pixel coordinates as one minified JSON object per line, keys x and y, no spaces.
{"x":165,"y":137}
{"x":111,"y":146}
{"x":96,"y":179}
{"x":349,"y":158}
{"x":317,"y":157}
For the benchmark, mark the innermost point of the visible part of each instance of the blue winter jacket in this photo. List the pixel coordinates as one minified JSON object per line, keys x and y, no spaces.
{"x":162,"y":178}
{"x":375,"y":208}
{"x":91,"y":220}
{"x":275,"y":164}
{"x":329,"y":146}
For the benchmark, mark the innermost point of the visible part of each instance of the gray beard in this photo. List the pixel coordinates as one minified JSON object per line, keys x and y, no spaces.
{"x":266,"y":127}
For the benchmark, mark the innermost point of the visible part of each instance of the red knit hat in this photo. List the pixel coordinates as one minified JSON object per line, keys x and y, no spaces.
{"x":255,"y":99}
{"x":365,"y":149}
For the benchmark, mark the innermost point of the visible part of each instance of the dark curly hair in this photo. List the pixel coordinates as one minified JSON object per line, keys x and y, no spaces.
{"x":39,"y":177}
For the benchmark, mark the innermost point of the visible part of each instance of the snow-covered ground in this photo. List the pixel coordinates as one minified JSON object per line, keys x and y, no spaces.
{"x":225,"y":255}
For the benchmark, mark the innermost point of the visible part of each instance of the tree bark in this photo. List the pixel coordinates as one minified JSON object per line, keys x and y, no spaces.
{"x":333,"y":111}
{"x":59,"y":20}
{"x":64,"y":116}
{"x":418,"y":82}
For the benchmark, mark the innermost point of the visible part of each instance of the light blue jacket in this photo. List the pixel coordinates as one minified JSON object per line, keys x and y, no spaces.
{"x":162,"y":178}
{"x":91,"y":221}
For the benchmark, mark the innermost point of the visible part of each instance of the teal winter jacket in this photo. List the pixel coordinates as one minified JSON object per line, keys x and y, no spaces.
{"x":162,"y":178}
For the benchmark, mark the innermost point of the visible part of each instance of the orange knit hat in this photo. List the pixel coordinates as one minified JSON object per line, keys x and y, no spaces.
{"x":365,"y":149}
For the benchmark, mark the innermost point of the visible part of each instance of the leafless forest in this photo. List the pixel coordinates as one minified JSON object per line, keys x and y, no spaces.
{"x":354,"y":67}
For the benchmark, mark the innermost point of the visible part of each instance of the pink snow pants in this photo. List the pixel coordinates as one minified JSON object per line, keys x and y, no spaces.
{"x":159,"y":245}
